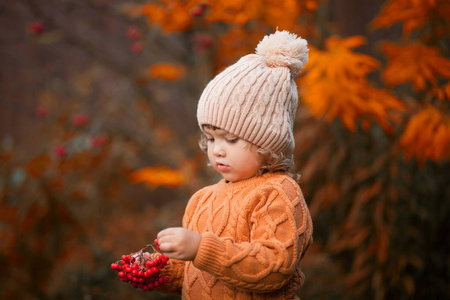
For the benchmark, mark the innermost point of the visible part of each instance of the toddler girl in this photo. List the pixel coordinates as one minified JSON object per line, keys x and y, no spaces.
{"x":244,"y":237}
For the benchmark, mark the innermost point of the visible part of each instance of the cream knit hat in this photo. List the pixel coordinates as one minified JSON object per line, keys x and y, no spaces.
{"x":256,"y":98}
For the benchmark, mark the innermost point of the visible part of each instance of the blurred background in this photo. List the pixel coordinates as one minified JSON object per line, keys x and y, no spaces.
{"x":98,"y":137}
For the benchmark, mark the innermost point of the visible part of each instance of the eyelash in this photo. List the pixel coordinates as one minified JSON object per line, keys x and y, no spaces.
{"x":210,"y":140}
{"x":232,"y":141}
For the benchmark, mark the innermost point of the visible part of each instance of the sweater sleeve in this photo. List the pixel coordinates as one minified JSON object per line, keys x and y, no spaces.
{"x":175,"y":270}
{"x":279,"y":235}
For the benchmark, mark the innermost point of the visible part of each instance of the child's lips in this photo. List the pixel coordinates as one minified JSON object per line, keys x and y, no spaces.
{"x":222,"y":167}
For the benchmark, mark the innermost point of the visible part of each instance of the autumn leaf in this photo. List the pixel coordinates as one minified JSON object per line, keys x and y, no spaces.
{"x":415,"y":63}
{"x":38,"y":165}
{"x":156,"y":176}
{"x":179,"y":15}
{"x":442,"y":92}
{"x":283,"y":14}
{"x":427,"y":136}
{"x":234,"y":44}
{"x":335,"y":85}
{"x":235,"y":11}
{"x":166,"y":71}
{"x":413,"y":14}
{"x":170,"y":15}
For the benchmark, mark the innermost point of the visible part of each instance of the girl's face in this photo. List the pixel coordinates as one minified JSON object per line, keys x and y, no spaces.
{"x":234,"y":158}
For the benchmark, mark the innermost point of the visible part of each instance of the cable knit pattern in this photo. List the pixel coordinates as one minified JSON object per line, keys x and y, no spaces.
{"x":254,"y":234}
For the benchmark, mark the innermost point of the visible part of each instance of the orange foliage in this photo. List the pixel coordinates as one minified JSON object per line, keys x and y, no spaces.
{"x":38,"y":165}
{"x":177,"y":15}
{"x":282,"y":14}
{"x":235,"y":11}
{"x":415,"y":63}
{"x":335,"y":85}
{"x":170,"y":15}
{"x":414,"y":13}
{"x":442,"y":92}
{"x":427,"y":136}
{"x":234,"y":44}
{"x":166,"y":71}
{"x":156,"y":176}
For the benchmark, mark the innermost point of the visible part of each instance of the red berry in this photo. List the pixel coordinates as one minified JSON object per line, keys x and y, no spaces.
{"x":97,"y":142}
{"x":199,"y":10}
{"x":60,"y":151}
{"x":136,"y":47}
{"x":133,"y":33}
{"x":36,"y":27}
{"x":156,"y":241}
{"x":121,"y":274}
{"x":80,"y":119}
{"x":41,"y":111}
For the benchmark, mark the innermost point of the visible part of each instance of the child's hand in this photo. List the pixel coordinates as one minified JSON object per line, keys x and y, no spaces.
{"x":179,"y":243}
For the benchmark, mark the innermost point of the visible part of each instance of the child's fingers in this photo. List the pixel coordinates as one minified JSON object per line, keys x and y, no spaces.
{"x":167,"y":231}
{"x":165,"y":246}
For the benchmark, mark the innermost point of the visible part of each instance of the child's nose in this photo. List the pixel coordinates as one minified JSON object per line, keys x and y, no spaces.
{"x":218,"y":149}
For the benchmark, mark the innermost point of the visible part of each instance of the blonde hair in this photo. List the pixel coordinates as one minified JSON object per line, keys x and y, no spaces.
{"x":272,"y":162}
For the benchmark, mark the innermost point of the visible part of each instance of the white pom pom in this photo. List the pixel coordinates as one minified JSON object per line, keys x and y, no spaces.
{"x":284,"y":49}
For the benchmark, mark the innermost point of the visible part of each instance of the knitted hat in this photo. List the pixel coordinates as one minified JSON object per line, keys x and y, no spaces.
{"x":256,"y":98}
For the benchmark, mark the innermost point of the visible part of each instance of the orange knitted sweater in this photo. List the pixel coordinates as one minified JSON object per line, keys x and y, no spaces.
{"x":254,"y":234}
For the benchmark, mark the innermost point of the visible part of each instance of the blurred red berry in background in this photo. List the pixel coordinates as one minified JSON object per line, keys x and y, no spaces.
{"x":37,"y":27}
{"x":42,"y":112}
{"x":199,"y":10}
{"x":133,"y":33}
{"x":96,"y":142}
{"x":60,"y":151}
{"x":80,"y":119}
{"x":136,"y":47}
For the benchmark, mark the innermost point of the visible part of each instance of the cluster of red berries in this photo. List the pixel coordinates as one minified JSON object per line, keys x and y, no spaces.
{"x":142,"y":269}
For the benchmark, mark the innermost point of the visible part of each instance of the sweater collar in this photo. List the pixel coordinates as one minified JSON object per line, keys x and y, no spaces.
{"x":225,"y":186}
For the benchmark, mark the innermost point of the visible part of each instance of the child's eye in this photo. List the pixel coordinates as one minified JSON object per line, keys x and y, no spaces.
{"x":210,"y":140}
{"x":232,"y":141}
